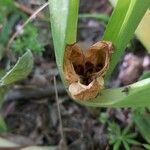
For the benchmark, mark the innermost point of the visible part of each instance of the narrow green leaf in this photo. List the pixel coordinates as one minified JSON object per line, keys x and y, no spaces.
{"x":72,"y":19}
{"x":132,"y":142}
{"x":126,"y":145}
{"x":116,"y":20}
{"x":58,"y":18}
{"x":98,"y":16}
{"x":117,"y":145}
{"x":64,"y":17}
{"x":131,"y":135}
{"x":143,"y":123}
{"x":7,"y":29}
{"x":145,"y":75}
{"x":21,"y":69}
{"x":134,"y":95}
{"x":122,"y":25}
{"x":126,"y":130}
{"x":143,"y":31}
{"x":3,"y":127}
{"x":147,"y":146}
{"x":112,"y":140}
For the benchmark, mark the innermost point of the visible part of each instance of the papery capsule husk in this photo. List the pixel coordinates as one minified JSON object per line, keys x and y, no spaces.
{"x":84,"y":70}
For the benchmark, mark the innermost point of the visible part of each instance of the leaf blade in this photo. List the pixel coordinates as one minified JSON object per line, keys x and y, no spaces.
{"x":63,"y":26}
{"x":21,"y":69}
{"x":131,"y":17}
{"x":138,"y":95}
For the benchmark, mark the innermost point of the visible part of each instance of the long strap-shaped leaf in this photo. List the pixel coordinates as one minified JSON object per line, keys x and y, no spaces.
{"x":120,"y":30}
{"x":143,"y":31}
{"x":122,"y":25}
{"x":135,"y":95}
{"x":63,"y":16}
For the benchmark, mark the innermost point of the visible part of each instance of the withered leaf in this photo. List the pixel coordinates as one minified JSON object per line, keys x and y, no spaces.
{"x":84,"y":70}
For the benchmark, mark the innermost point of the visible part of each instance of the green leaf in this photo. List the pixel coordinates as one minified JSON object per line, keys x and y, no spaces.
{"x":143,"y":123}
{"x":126,"y":130}
{"x":6,"y":3}
{"x":143,"y":31}
{"x":122,"y":25}
{"x":7,"y":29}
{"x":21,"y":69}
{"x":72,"y":19}
{"x":58,"y":19}
{"x":63,"y":18}
{"x":145,"y":75}
{"x":98,"y":16}
{"x":134,"y":95}
{"x":131,"y":135}
{"x":117,"y":145}
{"x":126,"y":145}
{"x":147,"y":146}
{"x":3,"y":127}
{"x":132,"y":141}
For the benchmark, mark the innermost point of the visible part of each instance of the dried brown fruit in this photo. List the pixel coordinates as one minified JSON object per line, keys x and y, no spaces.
{"x":84,"y":70}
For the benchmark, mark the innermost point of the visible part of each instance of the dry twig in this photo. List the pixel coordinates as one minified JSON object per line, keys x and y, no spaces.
{"x":30,"y":11}
{"x":63,"y":141}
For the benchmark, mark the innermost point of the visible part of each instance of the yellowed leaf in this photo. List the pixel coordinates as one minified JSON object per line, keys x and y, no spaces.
{"x":143,"y":31}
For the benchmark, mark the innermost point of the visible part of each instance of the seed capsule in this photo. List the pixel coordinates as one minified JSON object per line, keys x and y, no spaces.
{"x":84,"y":70}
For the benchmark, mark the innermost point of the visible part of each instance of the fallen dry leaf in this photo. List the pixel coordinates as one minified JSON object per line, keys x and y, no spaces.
{"x":84,"y":70}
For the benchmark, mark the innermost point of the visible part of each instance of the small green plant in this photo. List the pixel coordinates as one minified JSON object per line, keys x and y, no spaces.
{"x":28,"y":40}
{"x":104,"y":117}
{"x":121,"y":137}
{"x":118,"y":137}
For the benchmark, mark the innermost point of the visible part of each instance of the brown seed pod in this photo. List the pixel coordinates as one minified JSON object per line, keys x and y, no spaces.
{"x":84,"y":71}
